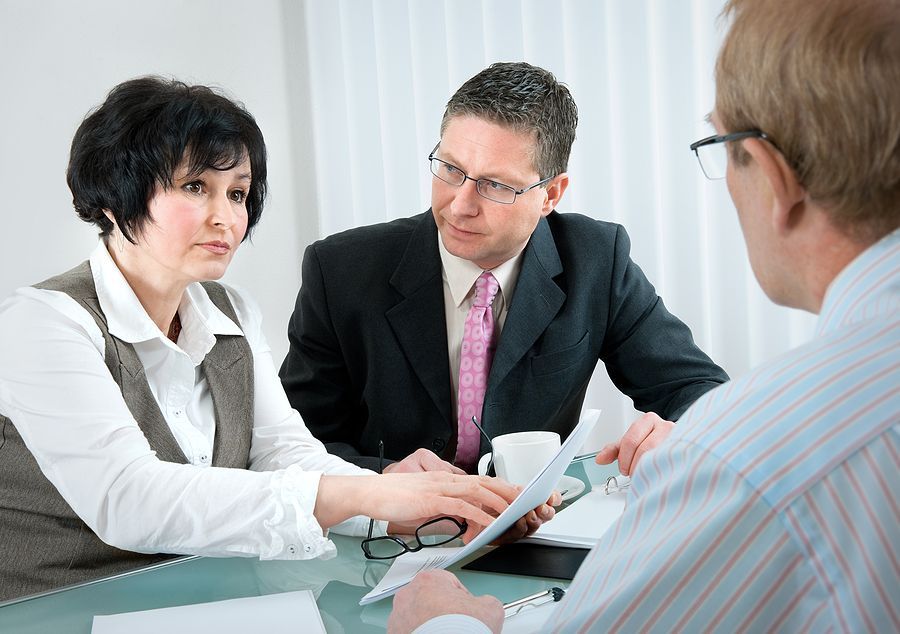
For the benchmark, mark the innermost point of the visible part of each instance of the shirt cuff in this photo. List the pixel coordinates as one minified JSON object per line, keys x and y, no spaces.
{"x":358,"y":526}
{"x":452,"y":624}
{"x":293,"y":530}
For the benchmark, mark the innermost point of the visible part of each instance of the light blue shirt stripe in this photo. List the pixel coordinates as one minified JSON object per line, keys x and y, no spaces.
{"x":775,"y":504}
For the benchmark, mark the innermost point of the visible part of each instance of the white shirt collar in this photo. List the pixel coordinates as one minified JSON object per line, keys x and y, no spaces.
{"x":461,"y":274}
{"x":127,"y":320}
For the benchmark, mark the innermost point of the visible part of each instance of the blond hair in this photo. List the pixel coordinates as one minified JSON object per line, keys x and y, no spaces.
{"x":822,"y":79}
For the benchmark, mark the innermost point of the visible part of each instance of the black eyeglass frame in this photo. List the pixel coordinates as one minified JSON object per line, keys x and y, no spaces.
{"x":724,"y":138}
{"x":419,"y":545}
{"x":478,"y":181}
{"x":406,"y":548}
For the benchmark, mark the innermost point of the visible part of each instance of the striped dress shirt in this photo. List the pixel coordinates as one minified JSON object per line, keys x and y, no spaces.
{"x":775,"y":503}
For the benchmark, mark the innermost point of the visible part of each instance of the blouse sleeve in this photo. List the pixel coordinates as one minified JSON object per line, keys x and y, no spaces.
{"x":280,"y":437}
{"x":56,"y":389}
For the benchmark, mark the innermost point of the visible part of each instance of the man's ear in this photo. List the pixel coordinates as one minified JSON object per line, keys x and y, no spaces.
{"x":555,"y":190}
{"x":787,"y":191}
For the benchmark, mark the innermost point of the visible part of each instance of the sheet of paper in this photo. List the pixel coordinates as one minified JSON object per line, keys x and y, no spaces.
{"x":535,"y":493}
{"x":583,"y":522}
{"x":284,"y":613}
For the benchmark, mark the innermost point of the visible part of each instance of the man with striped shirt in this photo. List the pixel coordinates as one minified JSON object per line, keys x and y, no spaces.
{"x":774,"y":505}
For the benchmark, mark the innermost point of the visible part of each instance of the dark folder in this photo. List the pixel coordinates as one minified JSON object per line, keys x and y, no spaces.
{"x":531,"y":560}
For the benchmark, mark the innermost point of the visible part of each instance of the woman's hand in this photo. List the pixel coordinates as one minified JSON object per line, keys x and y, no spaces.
{"x":411,"y":498}
{"x":523,"y":527}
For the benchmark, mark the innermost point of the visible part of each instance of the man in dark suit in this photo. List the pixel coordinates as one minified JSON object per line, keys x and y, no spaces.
{"x":390,"y":340}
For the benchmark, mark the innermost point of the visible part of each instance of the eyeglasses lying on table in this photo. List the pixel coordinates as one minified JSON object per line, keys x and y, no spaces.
{"x":435,"y":532}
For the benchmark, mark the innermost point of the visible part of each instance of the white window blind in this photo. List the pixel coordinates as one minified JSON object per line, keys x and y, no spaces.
{"x":642,"y":75}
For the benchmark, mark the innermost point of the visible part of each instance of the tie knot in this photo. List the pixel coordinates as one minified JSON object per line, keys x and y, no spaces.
{"x":486,"y":287}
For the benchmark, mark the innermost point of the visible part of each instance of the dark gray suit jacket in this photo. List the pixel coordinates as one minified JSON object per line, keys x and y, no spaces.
{"x":368,"y":338}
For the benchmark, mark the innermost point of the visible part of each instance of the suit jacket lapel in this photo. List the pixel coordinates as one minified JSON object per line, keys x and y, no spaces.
{"x":418,"y":319}
{"x":536,"y":301}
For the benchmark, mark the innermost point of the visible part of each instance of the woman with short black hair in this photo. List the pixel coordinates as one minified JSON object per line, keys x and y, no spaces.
{"x":140,"y":410}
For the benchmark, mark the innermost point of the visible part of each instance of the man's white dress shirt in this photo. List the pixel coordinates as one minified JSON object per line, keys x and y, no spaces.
{"x":459,"y":277}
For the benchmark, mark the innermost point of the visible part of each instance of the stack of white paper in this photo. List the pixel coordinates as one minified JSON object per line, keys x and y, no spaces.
{"x":583,"y":522}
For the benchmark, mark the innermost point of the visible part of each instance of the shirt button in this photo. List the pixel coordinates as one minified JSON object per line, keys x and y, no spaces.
{"x":307,"y":548}
{"x":204,"y":458}
{"x":177,"y":412}
{"x":292,"y":549}
{"x":438,"y":444}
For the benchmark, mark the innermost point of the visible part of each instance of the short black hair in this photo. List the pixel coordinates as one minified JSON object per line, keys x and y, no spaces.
{"x":527,"y":99}
{"x":138,"y":137}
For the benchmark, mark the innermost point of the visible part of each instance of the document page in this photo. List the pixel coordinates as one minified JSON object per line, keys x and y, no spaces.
{"x":583,"y":522}
{"x":535,"y":493}
{"x":284,"y":613}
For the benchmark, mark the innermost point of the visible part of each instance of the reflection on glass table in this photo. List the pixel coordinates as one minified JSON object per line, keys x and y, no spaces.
{"x":337,"y":583}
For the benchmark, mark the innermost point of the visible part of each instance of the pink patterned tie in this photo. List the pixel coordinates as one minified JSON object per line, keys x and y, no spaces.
{"x":474,"y":365}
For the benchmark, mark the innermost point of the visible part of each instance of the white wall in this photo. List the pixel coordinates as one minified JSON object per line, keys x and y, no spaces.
{"x":349,"y":95}
{"x":59,"y":58}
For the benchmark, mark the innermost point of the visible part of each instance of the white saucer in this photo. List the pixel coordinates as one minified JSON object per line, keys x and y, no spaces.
{"x":569,"y":487}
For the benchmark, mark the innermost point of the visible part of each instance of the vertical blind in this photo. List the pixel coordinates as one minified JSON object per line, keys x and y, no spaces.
{"x":641,"y":72}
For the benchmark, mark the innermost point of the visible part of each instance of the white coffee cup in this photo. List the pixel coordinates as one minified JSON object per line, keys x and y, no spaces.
{"x":518,"y":457}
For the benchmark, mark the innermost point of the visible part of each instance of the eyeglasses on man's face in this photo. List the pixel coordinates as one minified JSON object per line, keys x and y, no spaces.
{"x":712,"y":153}
{"x":486,"y":188}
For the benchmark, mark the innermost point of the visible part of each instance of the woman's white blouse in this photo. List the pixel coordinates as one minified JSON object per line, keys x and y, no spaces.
{"x":57,"y":390}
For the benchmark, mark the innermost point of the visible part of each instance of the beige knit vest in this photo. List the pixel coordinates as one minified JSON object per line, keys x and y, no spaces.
{"x":43,"y":543}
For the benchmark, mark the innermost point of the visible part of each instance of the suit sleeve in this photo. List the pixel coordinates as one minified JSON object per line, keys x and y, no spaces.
{"x":649,"y":353}
{"x":315,"y":375}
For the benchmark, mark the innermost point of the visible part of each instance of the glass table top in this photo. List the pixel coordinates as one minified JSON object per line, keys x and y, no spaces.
{"x":338,"y":584}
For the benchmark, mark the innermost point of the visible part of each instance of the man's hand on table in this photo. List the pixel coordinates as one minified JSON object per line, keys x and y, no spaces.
{"x":646,"y":433}
{"x":436,"y":592}
{"x":422,"y":460}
